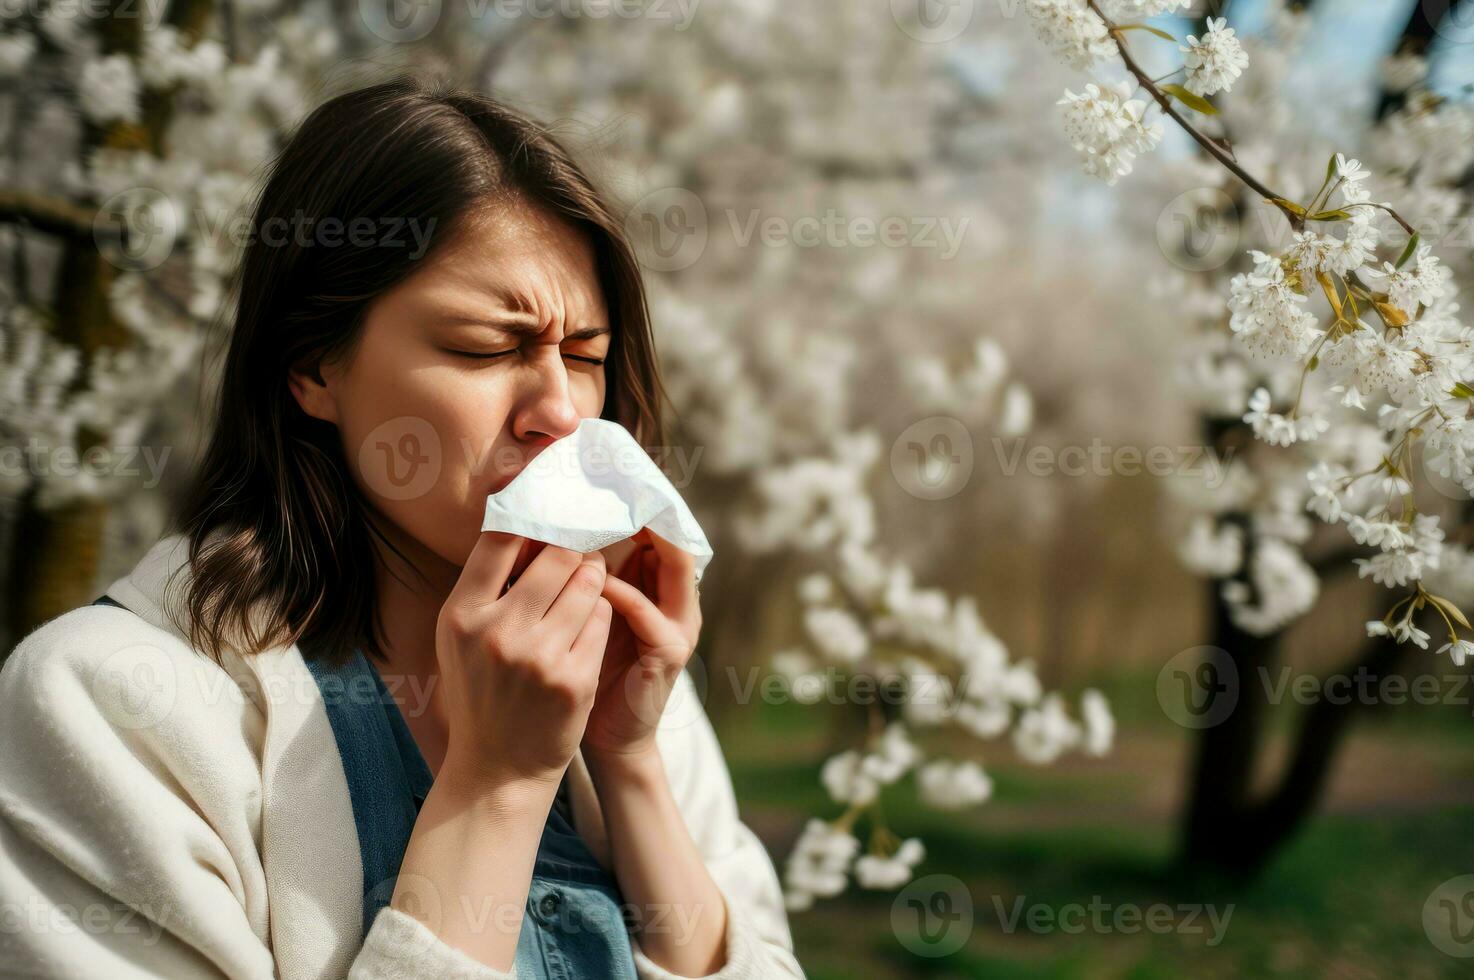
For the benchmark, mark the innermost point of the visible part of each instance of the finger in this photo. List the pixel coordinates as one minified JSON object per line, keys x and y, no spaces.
{"x":633,"y":565}
{"x":649,"y":582}
{"x":530,"y":550}
{"x":581,"y":593}
{"x":542,"y":581}
{"x":645,"y":619}
{"x":588,"y":647}
{"x":485,"y":572}
{"x":675,"y":578}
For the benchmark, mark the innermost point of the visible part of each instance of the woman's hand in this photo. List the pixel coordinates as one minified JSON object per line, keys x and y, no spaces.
{"x":519,"y":665}
{"x":656,"y":623}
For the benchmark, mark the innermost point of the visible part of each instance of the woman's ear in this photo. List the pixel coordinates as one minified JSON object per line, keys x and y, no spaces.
{"x":312,"y":392}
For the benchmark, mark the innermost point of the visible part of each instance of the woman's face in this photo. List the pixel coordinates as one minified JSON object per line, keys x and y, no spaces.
{"x":466,"y":370}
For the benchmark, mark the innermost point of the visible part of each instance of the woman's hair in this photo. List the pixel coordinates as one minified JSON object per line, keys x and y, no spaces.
{"x":272,"y":514}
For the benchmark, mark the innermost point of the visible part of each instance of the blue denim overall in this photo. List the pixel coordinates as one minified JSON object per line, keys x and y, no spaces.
{"x":572,"y":927}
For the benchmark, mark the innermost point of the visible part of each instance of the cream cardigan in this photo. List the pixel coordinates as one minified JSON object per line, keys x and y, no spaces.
{"x":164,"y":815}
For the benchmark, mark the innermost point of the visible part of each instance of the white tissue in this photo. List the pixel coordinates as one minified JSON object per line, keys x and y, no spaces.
{"x":594,"y":487}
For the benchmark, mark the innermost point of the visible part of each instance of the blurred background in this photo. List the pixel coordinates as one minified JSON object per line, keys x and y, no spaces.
{"x":899,"y":325}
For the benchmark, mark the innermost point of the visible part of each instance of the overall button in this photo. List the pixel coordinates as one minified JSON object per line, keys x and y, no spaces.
{"x":550,"y":904}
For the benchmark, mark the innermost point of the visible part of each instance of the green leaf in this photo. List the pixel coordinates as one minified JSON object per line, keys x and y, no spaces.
{"x":1146,"y":27}
{"x":1407,"y":253}
{"x":1338,"y":214}
{"x":1451,"y":609}
{"x":1190,"y":100}
{"x":1462,"y":390}
{"x":1289,"y":206}
{"x":1314,"y":363}
{"x":1331,"y":167}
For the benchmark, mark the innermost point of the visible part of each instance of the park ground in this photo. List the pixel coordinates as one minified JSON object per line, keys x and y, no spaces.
{"x":1345,"y":899}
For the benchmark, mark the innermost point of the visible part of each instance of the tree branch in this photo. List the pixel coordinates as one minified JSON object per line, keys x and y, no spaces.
{"x":52,"y":215}
{"x":1165,"y":101}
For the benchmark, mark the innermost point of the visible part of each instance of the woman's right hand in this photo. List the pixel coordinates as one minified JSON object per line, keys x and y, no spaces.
{"x":519,"y":666}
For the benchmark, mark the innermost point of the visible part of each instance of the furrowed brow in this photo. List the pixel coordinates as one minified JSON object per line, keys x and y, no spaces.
{"x":519,"y":323}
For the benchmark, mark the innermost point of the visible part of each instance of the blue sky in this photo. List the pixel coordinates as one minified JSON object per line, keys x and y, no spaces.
{"x":1350,"y":37}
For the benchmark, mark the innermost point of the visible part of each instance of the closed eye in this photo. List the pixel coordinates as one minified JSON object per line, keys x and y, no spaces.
{"x":480,"y":356}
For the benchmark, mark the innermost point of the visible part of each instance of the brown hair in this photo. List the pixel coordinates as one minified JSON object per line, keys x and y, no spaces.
{"x":271,"y":513}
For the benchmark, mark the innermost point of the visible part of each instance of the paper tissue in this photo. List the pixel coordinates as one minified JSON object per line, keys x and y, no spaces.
{"x":593,"y":488}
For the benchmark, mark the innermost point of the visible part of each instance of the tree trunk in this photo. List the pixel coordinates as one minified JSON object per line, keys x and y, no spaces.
{"x":1323,"y":729}
{"x":1222,"y":776}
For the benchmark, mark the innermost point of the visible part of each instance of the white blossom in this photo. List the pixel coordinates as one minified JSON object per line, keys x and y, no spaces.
{"x":1072,"y":31}
{"x":1350,"y":170}
{"x":108,"y":90}
{"x":1268,"y":314}
{"x":1106,"y":126}
{"x":1423,"y":282}
{"x":1373,"y":362}
{"x":1408,"y":550}
{"x":1458,"y":651}
{"x":1327,"y":486}
{"x":874,"y":871}
{"x":1043,"y":733}
{"x":950,"y":785}
{"x":1214,"y":61}
{"x":845,"y":778}
{"x":837,"y":634}
{"x":1406,"y":631}
{"x":819,"y":864}
{"x":167,"y":60}
{"x":16,"y":52}
{"x":816,"y":588}
{"x":1284,"y":587}
{"x":1134,"y":10}
{"x":1214,"y":551}
{"x":1279,"y":430}
{"x":1099,"y":724}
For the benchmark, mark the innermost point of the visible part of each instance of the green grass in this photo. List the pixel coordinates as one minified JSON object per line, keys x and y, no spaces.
{"x":1344,"y":900}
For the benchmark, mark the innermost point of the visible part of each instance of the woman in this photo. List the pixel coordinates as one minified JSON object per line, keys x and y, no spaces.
{"x":332,"y":728}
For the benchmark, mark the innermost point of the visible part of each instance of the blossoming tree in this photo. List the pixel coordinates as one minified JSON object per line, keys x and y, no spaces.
{"x":1338,"y":350}
{"x":135,"y":134}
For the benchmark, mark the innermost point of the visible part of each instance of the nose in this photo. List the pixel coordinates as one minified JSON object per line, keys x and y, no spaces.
{"x":546,"y":411}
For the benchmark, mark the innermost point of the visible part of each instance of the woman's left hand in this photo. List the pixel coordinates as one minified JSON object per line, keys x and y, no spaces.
{"x":657,"y":619}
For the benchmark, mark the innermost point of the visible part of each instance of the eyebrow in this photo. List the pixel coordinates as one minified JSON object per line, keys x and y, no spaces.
{"x":521,"y":323}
